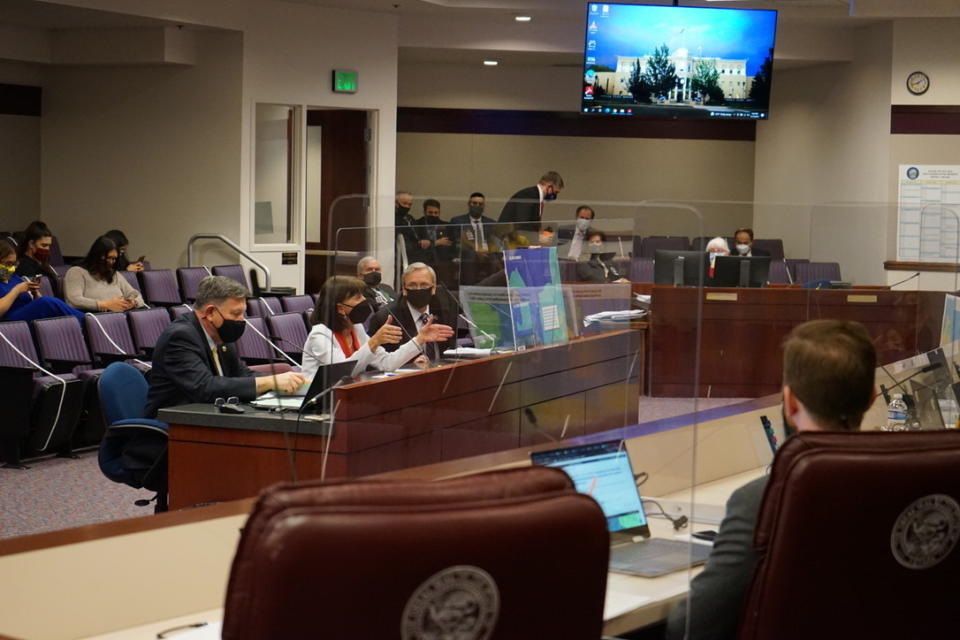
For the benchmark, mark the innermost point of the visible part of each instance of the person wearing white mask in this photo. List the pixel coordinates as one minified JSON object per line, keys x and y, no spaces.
{"x":577,"y":236}
{"x":743,"y":237}
{"x":600,"y":267}
{"x":716,"y":247}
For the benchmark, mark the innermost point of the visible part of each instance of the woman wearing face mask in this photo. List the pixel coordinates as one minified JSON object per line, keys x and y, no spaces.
{"x":123,"y":260}
{"x":35,"y":252}
{"x":94,"y":285}
{"x":716,"y":247}
{"x":599,"y":267}
{"x":338,"y":334}
{"x":20,"y":298}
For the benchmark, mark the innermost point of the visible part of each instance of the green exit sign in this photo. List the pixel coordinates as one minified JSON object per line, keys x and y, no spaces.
{"x":345,"y":81}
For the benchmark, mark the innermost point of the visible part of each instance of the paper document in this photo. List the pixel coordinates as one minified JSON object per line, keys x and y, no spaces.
{"x":467,"y":352}
{"x":614,"y":316}
{"x":618,"y":603}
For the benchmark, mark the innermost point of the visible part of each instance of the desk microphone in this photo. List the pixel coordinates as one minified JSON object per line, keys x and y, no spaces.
{"x":786,"y":267}
{"x":897,"y":284}
{"x":885,"y":391}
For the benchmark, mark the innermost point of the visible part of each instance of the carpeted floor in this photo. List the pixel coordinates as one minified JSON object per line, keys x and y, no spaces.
{"x":57,"y":493}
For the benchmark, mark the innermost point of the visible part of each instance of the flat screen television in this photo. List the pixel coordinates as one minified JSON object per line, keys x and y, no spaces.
{"x":679,"y":268}
{"x":678,"y":62}
{"x":740,"y":271}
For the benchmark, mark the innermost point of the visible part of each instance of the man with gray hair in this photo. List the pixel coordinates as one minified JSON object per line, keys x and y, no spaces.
{"x":420,"y":305}
{"x":195,"y":359}
{"x":377,"y":292}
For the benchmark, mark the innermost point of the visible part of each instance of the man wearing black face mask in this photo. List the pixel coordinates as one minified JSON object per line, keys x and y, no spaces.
{"x":377,"y":292}
{"x":526,"y":207}
{"x":418,"y":306}
{"x":477,"y":245}
{"x":195,"y":359}
{"x":828,"y":384}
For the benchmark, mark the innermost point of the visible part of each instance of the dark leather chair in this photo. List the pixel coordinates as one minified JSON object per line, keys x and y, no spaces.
{"x":500,"y":555}
{"x":857,"y":538}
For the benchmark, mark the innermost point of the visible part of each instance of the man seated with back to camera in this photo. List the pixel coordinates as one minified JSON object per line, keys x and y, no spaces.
{"x":377,"y":292}
{"x":195,"y":359}
{"x":828,"y":384}
{"x":419,"y":305}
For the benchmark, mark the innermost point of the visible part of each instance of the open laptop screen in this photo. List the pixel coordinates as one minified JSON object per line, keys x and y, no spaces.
{"x":602,"y":471}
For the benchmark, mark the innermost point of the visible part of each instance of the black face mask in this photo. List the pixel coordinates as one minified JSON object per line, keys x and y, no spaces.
{"x":550,"y":196}
{"x":476,"y":212}
{"x":402,"y":211}
{"x":373,"y":278}
{"x":360,"y":313}
{"x":419,"y":298}
{"x":230,"y":330}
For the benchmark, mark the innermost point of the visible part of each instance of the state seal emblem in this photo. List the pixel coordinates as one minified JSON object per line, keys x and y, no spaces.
{"x":458,"y":603}
{"x":926,"y":531}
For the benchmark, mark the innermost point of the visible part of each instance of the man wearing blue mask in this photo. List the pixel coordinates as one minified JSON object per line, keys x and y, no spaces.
{"x":526,"y":208}
{"x":195,"y":359}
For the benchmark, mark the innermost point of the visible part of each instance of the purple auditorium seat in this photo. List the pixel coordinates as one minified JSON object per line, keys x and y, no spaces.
{"x":45,"y":416}
{"x":108,"y":335}
{"x":56,"y":255}
{"x":233,"y":271}
{"x":46,"y":287}
{"x":568,"y":270}
{"x":251,"y":347}
{"x":271,"y":306}
{"x":309,"y":312}
{"x":61,"y":344}
{"x":641,"y":270}
{"x":773,"y":246}
{"x":190,"y":278}
{"x":289,"y":332}
{"x":131,"y":278}
{"x":60,"y":269}
{"x":809,"y":271}
{"x":700,"y":243}
{"x":160,"y":288}
{"x":255,"y":308}
{"x":179,"y":310}
{"x":146,"y":325}
{"x":296,"y":303}
{"x":652,"y":244}
{"x":778,"y":272}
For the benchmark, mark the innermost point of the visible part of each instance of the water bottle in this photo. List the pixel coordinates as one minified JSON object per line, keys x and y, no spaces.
{"x":896,"y":414}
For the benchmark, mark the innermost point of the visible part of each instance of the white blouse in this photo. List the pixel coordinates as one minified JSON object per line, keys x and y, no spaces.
{"x":322,"y":347}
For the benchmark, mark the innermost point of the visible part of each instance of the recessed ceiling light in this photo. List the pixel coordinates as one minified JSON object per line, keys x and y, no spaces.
{"x":491,"y":63}
{"x":523,"y":18}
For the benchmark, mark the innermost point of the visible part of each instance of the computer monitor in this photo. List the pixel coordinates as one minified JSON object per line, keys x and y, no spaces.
{"x":669,"y":269}
{"x":741,"y":271}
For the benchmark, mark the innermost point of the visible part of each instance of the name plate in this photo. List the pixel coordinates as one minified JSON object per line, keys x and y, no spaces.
{"x":722,"y":296}
{"x":861,"y":298}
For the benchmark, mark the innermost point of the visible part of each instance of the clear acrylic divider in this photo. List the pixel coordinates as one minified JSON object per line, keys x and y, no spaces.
{"x":556,"y":345}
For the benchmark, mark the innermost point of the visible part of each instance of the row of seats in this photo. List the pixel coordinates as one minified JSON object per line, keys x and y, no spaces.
{"x":649,"y":246}
{"x":781,"y":271}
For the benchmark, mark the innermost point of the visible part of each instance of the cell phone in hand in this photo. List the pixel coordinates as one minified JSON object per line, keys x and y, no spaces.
{"x":141,"y":258}
{"x":36,"y":279}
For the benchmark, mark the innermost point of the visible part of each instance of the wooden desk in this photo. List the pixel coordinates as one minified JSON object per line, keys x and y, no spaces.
{"x":743,"y":330}
{"x":470,"y":408}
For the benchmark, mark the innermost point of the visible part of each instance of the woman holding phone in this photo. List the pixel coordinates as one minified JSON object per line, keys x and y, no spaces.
{"x":94,"y":285}
{"x":20,"y":297}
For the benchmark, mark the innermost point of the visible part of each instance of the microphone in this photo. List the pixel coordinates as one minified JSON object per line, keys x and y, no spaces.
{"x":786,"y":268}
{"x":897,"y":284}
{"x":315,"y":399}
{"x":275,"y":347}
{"x":885,"y":391}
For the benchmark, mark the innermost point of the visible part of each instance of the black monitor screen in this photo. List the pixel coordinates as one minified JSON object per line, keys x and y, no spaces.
{"x":678,"y":62}
{"x":669,"y":269}
{"x":728,"y":272}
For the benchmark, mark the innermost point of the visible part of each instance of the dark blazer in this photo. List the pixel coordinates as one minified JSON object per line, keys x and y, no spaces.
{"x":523,"y":206}
{"x":183,"y":369}
{"x":753,"y":252}
{"x":716,"y":595}
{"x":592,"y":271}
{"x":401,"y":311}
{"x":28,"y":267}
{"x":433,"y":231}
{"x":404,"y":224}
{"x":370,"y":293}
{"x":462,"y":229}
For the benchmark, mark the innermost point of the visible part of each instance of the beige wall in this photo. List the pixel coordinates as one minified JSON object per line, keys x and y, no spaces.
{"x":19,"y":155}
{"x":931,"y":46}
{"x":603,"y":172}
{"x":822,"y":160}
{"x":154,"y":151}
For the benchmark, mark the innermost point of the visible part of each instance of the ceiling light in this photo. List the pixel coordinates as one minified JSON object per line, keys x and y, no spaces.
{"x":491,"y":63}
{"x":522,"y":18}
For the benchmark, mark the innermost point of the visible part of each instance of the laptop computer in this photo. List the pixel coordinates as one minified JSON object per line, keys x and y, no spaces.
{"x":603,"y":471}
{"x":326,"y":376}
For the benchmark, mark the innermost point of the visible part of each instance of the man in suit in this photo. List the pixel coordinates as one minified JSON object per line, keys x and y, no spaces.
{"x":377,"y":292}
{"x":436,"y":242}
{"x":743,"y":243}
{"x":828,"y":383}
{"x":195,"y":360}
{"x":418,"y":306}
{"x":404,"y":223}
{"x":525,"y":208}
{"x":576,"y":235}
{"x":477,"y":244}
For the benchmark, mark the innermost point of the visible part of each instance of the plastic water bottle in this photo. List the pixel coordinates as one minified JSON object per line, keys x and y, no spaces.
{"x":896,"y":413}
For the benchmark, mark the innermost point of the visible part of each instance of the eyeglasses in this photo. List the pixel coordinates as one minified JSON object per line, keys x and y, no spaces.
{"x":219,"y":402}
